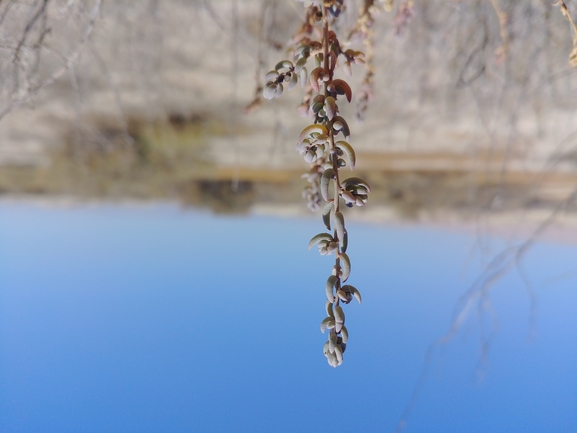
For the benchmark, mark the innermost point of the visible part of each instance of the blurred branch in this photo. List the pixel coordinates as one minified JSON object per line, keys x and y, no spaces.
{"x":6,"y":10}
{"x":225,"y":27}
{"x":69,"y":60}
{"x":509,"y":258}
{"x":567,"y":14}
{"x":503,"y":50}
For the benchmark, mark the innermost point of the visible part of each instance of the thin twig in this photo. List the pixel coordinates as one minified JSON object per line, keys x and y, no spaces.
{"x":503,"y":50}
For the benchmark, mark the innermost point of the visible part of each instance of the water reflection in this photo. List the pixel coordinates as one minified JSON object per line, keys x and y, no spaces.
{"x":157,"y":318}
{"x":189,"y":159}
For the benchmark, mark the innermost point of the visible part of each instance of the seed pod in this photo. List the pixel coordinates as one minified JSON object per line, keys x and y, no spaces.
{"x":309,"y":130}
{"x":339,"y":318}
{"x":316,"y":107}
{"x":345,"y":266}
{"x":329,"y":288}
{"x":345,"y":242}
{"x":348,"y":196}
{"x":320,"y":237}
{"x":339,"y":124}
{"x":357,"y":296}
{"x":317,"y":75}
{"x":354,"y":291}
{"x":327,"y":213}
{"x":269,"y":91}
{"x":319,"y":98}
{"x":339,"y":225}
{"x":327,"y":323}
{"x":321,"y":138}
{"x":310,"y":156}
{"x":348,"y":295}
{"x":330,"y":107}
{"x":329,"y":309}
{"x":325,"y":180}
{"x":339,"y":354}
{"x":303,"y":146}
{"x":284,"y":64}
{"x":303,"y":50}
{"x":347,"y":149}
{"x":332,"y":360}
{"x":332,"y":342}
{"x":294,"y":79}
{"x":333,"y":246}
{"x":271,"y":76}
{"x":344,"y":334}
{"x":279,"y":90}
{"x":343,"y":88}
{"x":300,"y":64}
{"x":355,"y":182}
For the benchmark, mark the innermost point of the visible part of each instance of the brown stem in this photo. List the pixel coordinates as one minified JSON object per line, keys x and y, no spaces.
{"x":332,"y":154}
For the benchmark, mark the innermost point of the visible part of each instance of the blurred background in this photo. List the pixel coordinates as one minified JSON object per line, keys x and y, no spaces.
{"x":153,"y":266}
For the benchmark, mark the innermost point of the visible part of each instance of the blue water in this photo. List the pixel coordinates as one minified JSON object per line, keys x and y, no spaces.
{"x":117,"y":318}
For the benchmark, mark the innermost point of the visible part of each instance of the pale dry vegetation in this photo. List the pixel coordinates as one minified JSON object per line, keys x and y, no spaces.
{"x":481,"y":88}
{"x":471,"y":106}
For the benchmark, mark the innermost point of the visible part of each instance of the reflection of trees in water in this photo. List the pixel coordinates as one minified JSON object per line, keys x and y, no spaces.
{"x":219,"y":195}
{"x":475,"y":303}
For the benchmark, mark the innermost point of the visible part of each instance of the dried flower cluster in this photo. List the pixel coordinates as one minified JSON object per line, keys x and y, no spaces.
{"x":324,"y":144}
{"x":363,"y":32}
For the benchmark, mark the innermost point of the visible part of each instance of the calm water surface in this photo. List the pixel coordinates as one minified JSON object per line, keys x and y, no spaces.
{"x":151,"y":318}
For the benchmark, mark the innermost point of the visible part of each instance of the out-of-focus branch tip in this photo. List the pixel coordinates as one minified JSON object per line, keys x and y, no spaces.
{"x":567,"y":14}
